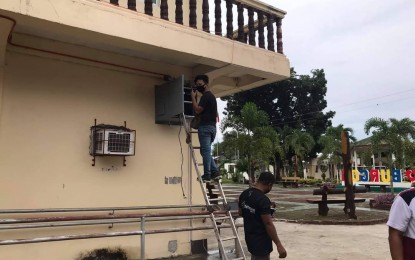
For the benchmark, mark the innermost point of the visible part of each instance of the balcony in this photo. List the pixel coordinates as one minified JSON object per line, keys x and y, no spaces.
{"x":238,"y":43}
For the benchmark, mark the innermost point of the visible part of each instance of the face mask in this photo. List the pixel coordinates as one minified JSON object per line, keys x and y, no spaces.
{"x":201,"y":89}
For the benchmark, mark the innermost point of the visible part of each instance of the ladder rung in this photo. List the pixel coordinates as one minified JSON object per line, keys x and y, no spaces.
{"x":199,"y":164}
{"x":196,"y":147}
{"x":218,"y":199}
{"x":239,"y":258}
{"x":193,"y":132}
{"x":228,"y":238}
{"x":222,"y":218}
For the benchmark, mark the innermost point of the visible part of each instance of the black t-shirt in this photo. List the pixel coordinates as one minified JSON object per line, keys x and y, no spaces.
{"x":254,"y":203}
{"x":210,"y":109}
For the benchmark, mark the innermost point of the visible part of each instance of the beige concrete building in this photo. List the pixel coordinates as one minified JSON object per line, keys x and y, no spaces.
{"x":68,"y":65}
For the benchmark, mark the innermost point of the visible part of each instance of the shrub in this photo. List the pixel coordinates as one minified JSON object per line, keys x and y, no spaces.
{"x":311,"y":182}
{"x":383,"y":201}
{"x":104,"y":254}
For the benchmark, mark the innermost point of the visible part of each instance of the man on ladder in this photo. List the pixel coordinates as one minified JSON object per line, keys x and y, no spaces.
{"x":207,"y":109}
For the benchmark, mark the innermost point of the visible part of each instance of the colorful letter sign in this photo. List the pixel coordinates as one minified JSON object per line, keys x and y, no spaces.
{"x":375,"y":175}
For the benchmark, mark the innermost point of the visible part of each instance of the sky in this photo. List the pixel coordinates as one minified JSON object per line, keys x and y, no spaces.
{"x":366,"y":48}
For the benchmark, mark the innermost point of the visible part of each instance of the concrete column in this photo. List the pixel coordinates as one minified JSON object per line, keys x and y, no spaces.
{"x":5,"y":27}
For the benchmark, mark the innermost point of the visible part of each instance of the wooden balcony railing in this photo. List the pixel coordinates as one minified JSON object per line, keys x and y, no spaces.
{"x":252,"y":32}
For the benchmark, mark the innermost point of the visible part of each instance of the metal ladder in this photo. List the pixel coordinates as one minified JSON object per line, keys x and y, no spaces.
{"x":214,"y":202}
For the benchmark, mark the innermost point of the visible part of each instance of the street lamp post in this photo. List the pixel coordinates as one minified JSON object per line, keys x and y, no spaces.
{"x":305,"y":168}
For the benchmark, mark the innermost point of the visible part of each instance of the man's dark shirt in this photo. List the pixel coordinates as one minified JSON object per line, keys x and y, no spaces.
{"x":208,"y":115}
{"x":254,"y":203}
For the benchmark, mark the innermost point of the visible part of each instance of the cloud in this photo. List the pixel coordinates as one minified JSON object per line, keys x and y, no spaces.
{"x":366,"y":49}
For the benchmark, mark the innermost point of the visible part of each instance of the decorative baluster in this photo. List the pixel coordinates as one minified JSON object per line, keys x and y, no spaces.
{"x":164,"y":10}
{"x":192,"y":14}
{"x":114,"y":2}
{"x":205,"y":19}
{"x":279,"y":36}
{"x":179,"y":11}
{"x":261,"y":37}
{"x":270,"y":28}
{"x":132,"y":5}
{"x":251,"y":26}
{"x":218,"y":17}
{"x":229,"y":19}
{"x":245,"y":37}
{"x":241,"y":23}
{"x":148,"y":7}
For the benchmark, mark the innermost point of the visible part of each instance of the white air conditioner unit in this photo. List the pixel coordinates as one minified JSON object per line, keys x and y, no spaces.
{"x":112,"y":140}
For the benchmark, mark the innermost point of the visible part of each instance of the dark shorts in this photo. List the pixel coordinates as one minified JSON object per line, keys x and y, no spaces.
{"x":264,"y":257}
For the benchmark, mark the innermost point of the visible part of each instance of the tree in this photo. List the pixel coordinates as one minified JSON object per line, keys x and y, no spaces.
{"x":297,"y":102}
{"x":331,"y":143}
{"x":300,"y":143}
{"x":251,"y":135}
{"x":277,"y":151}
{"x":397,"y":135}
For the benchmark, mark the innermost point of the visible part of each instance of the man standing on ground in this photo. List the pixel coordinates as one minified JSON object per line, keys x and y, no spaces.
{"x":207,"y":108}
{"x":402,"y":226}
{"x":259,"y":228}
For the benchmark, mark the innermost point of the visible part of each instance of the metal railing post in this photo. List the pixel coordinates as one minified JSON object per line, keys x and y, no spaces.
{"x":143,"y":238}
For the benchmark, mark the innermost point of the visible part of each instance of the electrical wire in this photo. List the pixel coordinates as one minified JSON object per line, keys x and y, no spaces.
{"x":181,"y":152}
{"x":374,"y":98}
{"x":274,"y":122}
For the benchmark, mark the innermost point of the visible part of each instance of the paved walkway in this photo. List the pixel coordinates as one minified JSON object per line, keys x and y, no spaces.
{"x":323,"y":242}
{"x":312,"y":242}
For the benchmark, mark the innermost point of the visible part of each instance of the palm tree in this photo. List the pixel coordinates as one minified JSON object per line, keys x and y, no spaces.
{"x":397,"y":135}
{"x":331,"y":142}
{"x":300,"y":143}
{"x":276,"y":148}
{"x":251,"y":140}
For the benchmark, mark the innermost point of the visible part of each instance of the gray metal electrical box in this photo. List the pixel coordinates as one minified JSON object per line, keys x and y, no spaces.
{"x":172,"y":99}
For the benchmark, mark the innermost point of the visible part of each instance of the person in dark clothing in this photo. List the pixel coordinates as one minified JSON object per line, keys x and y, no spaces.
{"x":207,"y":108}
{"x":255,"y":208}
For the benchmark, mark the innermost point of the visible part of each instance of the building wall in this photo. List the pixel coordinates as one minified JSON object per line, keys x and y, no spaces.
{"x":48,"y":105}
{"x":232,"y":66}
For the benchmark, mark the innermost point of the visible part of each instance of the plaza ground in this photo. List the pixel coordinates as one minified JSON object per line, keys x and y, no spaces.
{"x":310,"y":241}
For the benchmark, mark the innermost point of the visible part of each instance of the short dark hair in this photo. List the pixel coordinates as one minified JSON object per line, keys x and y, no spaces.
{"x":266,"y":178}
{"x":202,"y":77}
